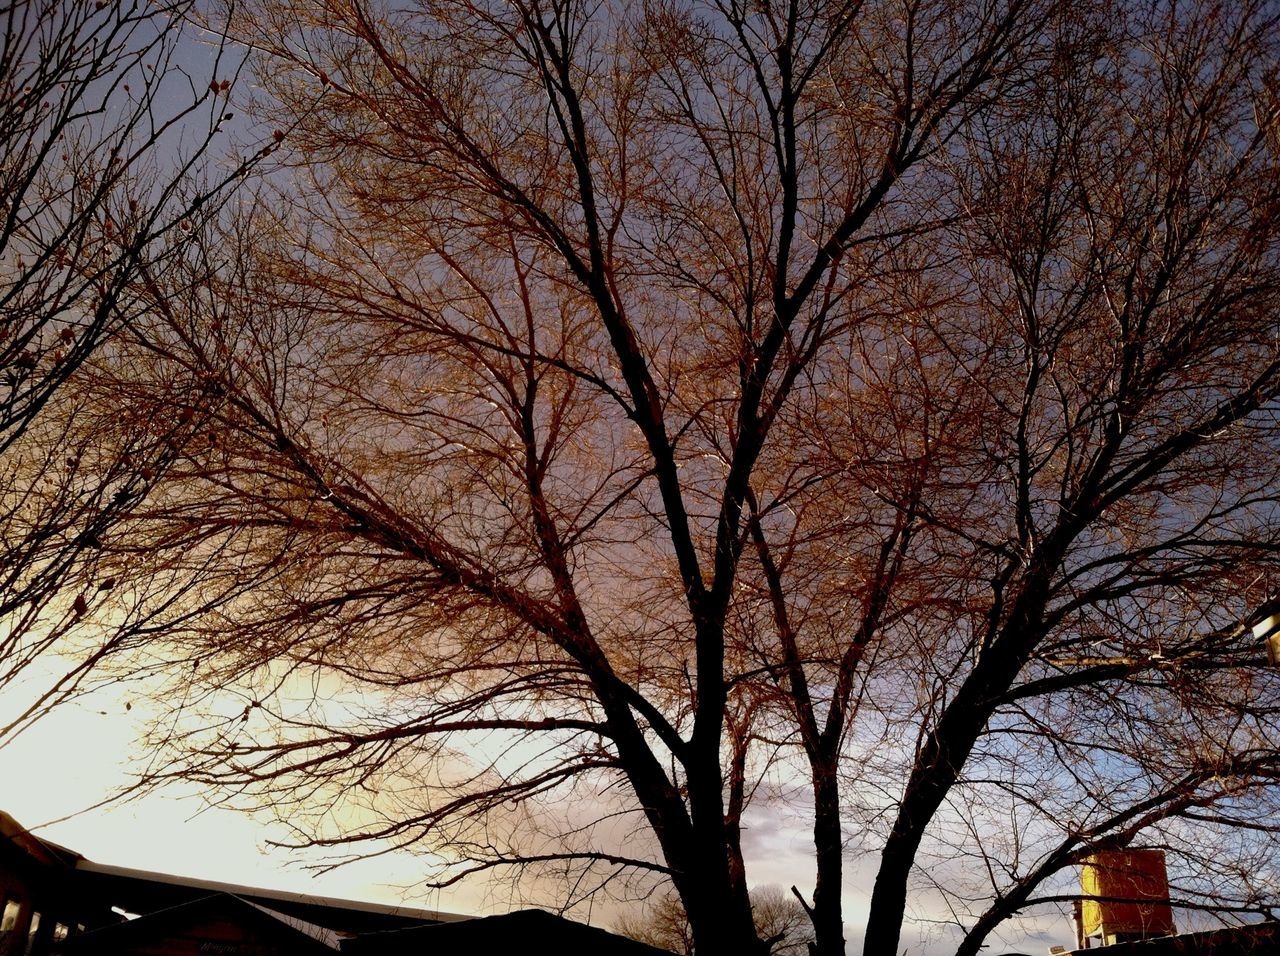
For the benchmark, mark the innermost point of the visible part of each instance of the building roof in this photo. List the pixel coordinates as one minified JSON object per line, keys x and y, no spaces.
{"x":44,"y":851}
{"x":186,"y":920}
{"x":101,"y":892}
{"x":1260,"y":938}
{"x":169,"y":889}
{"x":527,"y":932}
{"x":181,"y":908}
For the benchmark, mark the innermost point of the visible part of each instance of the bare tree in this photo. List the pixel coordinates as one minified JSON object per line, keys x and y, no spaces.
{"x":104,"y":138}
{"x":623,"y":414}
{"x":780,"y":921}
{"x":663,"y":924}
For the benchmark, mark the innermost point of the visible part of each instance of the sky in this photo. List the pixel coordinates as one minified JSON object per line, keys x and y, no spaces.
{"x":52,"y":775}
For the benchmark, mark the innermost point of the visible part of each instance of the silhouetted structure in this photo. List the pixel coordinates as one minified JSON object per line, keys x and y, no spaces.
{"x":1257,"y":939}
{"x":53,"y":900}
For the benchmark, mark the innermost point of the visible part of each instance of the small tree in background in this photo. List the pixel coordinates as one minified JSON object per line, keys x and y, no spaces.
{"x":780,"y":921}
{"x":663,"y":924}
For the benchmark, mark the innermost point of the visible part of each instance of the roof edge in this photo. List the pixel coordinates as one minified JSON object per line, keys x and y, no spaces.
{"x":45,"y":850}
{"x":235,"y":889}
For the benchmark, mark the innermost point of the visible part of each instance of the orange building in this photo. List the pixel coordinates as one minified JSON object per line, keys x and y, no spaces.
{"x":1126,"y":897}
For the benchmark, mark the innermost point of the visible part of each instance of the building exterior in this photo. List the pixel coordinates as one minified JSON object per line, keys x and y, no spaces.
{"x":54,"y":901}
{"x":1125,"y":910}
{"x":1125,"y":897}
{"x":36,"y":911}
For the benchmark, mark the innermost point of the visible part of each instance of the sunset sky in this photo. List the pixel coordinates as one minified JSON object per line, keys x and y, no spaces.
{"x":631,"y":454}
{"x":79,"y":754}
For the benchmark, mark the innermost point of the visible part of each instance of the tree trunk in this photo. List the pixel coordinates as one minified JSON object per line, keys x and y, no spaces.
{"x":828,"y":841}
{"x":721,"y":926}
{"x":889,"y":898}
{"x":718,"y":906}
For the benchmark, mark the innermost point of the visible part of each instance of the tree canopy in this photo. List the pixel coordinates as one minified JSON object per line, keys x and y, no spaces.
{"x":617,"y":420}
{"x":104,"y":149}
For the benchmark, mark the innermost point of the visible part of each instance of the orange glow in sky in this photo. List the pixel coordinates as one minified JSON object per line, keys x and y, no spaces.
{"x":78,"y":755}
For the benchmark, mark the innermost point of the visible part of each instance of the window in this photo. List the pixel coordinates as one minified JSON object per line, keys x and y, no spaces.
{"x":31,"y":933}
{"x":9,"y":918}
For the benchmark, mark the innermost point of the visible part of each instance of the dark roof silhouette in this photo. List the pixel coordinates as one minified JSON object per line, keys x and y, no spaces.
{"x":1261,"y":939}
{"x":283,"y":933}
{"x":193,"y":914}
{"x":40,"y":849}
{"x":144,"y":891}
{"x":527,"y":932}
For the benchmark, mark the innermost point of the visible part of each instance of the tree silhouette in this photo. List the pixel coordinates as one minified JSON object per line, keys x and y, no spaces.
{"x":622,"y":419}
{"x":780,"y":921}
{"x":103,"y":138}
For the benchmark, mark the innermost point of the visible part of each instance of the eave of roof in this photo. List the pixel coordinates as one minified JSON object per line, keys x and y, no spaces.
{"x":44,"y":850}
{"x":257,"y":892}
{"x":531,"y":931}
{"x":319,"y":933}
{"x":155,"y":924}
